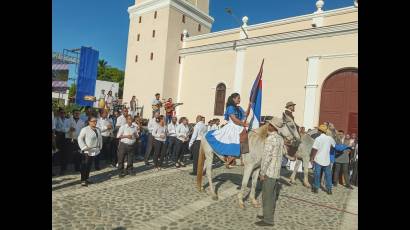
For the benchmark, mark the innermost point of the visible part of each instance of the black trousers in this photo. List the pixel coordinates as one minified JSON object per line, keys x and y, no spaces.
{"x":159,"y":152}
{"x":150,"y":150}
{"x":106,"y":149}
{"x":86,"y":162}
{"x":180,"y":150}
{"x":171,"y":148}
{"x":70,"y":154}
{"x":345,"y":168}
{"x":195,"y":152}
{"x":125,"y":151}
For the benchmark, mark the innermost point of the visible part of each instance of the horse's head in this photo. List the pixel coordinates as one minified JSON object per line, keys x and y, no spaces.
{"x":289,"y":130}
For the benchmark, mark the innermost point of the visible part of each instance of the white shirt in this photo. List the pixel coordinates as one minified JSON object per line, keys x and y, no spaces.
{"x":89,"y":141}
{"x":102,"y":124}
{"x":121,"y":120}
{"x":152,"y":124}
{"x":199,"y":131}
{"x":322,"y":144}
{"x":213,"y":127}
{"x":128,"y":130}
{"x":172,"y":130}
{"x":158,"y":131}
{"x":182,"y":132}
{"x":108,"y":99}
{"x":60,"y":124}
{"x":76,"y":125}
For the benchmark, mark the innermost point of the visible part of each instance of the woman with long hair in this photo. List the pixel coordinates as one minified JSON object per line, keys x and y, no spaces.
{"x":160,"y":135}
{"x":182,"y":131}
{"x":227,"y":140}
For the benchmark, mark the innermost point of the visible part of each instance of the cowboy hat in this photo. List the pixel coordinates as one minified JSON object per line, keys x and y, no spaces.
{"x":323,"y":128}
{"x":290,"y":103}
{"x":276,"y":122}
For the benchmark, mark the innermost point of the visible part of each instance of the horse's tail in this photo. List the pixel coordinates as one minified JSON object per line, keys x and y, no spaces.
{"x":199,"y":170}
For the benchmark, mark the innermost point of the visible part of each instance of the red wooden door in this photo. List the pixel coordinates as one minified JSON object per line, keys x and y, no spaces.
{"x":338,"y":103}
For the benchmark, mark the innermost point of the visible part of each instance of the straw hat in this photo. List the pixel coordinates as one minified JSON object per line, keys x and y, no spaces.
{"x":290,"y":103}
{"x":323,"y":128}
{"x":276,"y":122}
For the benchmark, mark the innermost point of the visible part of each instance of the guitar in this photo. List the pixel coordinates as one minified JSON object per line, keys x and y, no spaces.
{"x":158,"y":106}
{"x":171,"y":108}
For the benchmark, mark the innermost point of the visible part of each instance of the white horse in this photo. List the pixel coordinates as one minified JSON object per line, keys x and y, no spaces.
{"x":251,"y":160}
{"x":303,"y":153}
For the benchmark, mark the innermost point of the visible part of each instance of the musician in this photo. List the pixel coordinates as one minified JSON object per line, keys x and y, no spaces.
{"x":182,"y":132}
{"x":172,"y":138}
{"x":195,"y":142}
{"x":133,"y":106}
{"x":169,"y":108}
{"x":106,"y":128}
{"x":156,"y":104}
{"x":73,"y":127}
{"x":108,"y":101}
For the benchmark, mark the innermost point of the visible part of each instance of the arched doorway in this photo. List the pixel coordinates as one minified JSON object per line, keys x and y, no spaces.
{"x":220,"y":99}
{"x":339,"y":100}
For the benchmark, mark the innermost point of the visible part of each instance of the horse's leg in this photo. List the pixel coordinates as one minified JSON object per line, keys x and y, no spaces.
{"x":306,"y":173}
{"x":255,"y":175}
{"x":295,"y":171}
{"x":246,"y":174}
{"x":208,"y":171}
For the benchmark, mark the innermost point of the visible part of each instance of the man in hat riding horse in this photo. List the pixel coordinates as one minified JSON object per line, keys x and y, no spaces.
{"x":289,"y":120}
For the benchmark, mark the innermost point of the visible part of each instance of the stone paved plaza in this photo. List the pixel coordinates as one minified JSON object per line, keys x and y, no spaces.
{"x":168,"y":200}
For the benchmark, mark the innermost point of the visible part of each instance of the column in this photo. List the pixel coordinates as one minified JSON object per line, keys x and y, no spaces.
{"x":311,"y":88}
{"x":239,"y":68}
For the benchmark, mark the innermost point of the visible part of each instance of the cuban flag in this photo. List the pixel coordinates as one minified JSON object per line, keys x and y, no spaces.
{"x":256,"y":100}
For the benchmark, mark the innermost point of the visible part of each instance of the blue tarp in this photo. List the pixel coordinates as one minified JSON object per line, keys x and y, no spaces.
{"x":87,"y":75}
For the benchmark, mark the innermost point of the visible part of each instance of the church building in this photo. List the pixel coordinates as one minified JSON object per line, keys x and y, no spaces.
{"x":310,"y":59}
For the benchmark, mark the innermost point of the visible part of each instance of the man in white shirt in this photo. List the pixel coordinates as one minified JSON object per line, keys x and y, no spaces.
{"x":106,"y":128}
{"x":195,"y":142}
{"x":127,"y":134}
{"x":72,"y":128}
{"x":172,"y":137}
{"x":152,"y":123}
{"x":320,"y":158}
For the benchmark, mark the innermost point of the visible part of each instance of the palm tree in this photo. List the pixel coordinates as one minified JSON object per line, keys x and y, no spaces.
{"x":102,"y":63}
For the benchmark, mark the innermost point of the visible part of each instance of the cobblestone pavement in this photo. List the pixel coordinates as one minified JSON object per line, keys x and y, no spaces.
{"x":168,"y":199}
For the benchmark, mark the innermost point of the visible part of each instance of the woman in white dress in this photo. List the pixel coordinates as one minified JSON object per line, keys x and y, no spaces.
{"x":226,"y":140}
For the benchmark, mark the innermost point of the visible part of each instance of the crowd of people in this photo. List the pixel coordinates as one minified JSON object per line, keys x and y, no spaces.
{"x":119,"y":138}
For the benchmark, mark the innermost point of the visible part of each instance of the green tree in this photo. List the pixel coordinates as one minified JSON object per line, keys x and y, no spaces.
{"x":112,"y":74}
{"x":72,"y":90}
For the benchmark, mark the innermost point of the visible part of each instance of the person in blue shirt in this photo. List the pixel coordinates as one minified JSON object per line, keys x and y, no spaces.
{"x":226,"y":141}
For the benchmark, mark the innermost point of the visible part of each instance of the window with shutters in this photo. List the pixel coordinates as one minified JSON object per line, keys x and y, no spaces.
{"x":155,"y":15}
{"x":140,"y":19}
{"x":152,"y":56}
{"x":153,"y":33}
{"x":182,"y":37}
{"x":179,"y":59}
{"x":199,"y":27}
{"x":183,"y":18}
{"x":136,"y":58}
{"x":220,"y":99}
{"x":138,"y":37}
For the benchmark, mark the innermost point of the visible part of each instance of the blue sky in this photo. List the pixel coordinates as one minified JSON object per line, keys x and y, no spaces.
{"x":103,"y":24}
